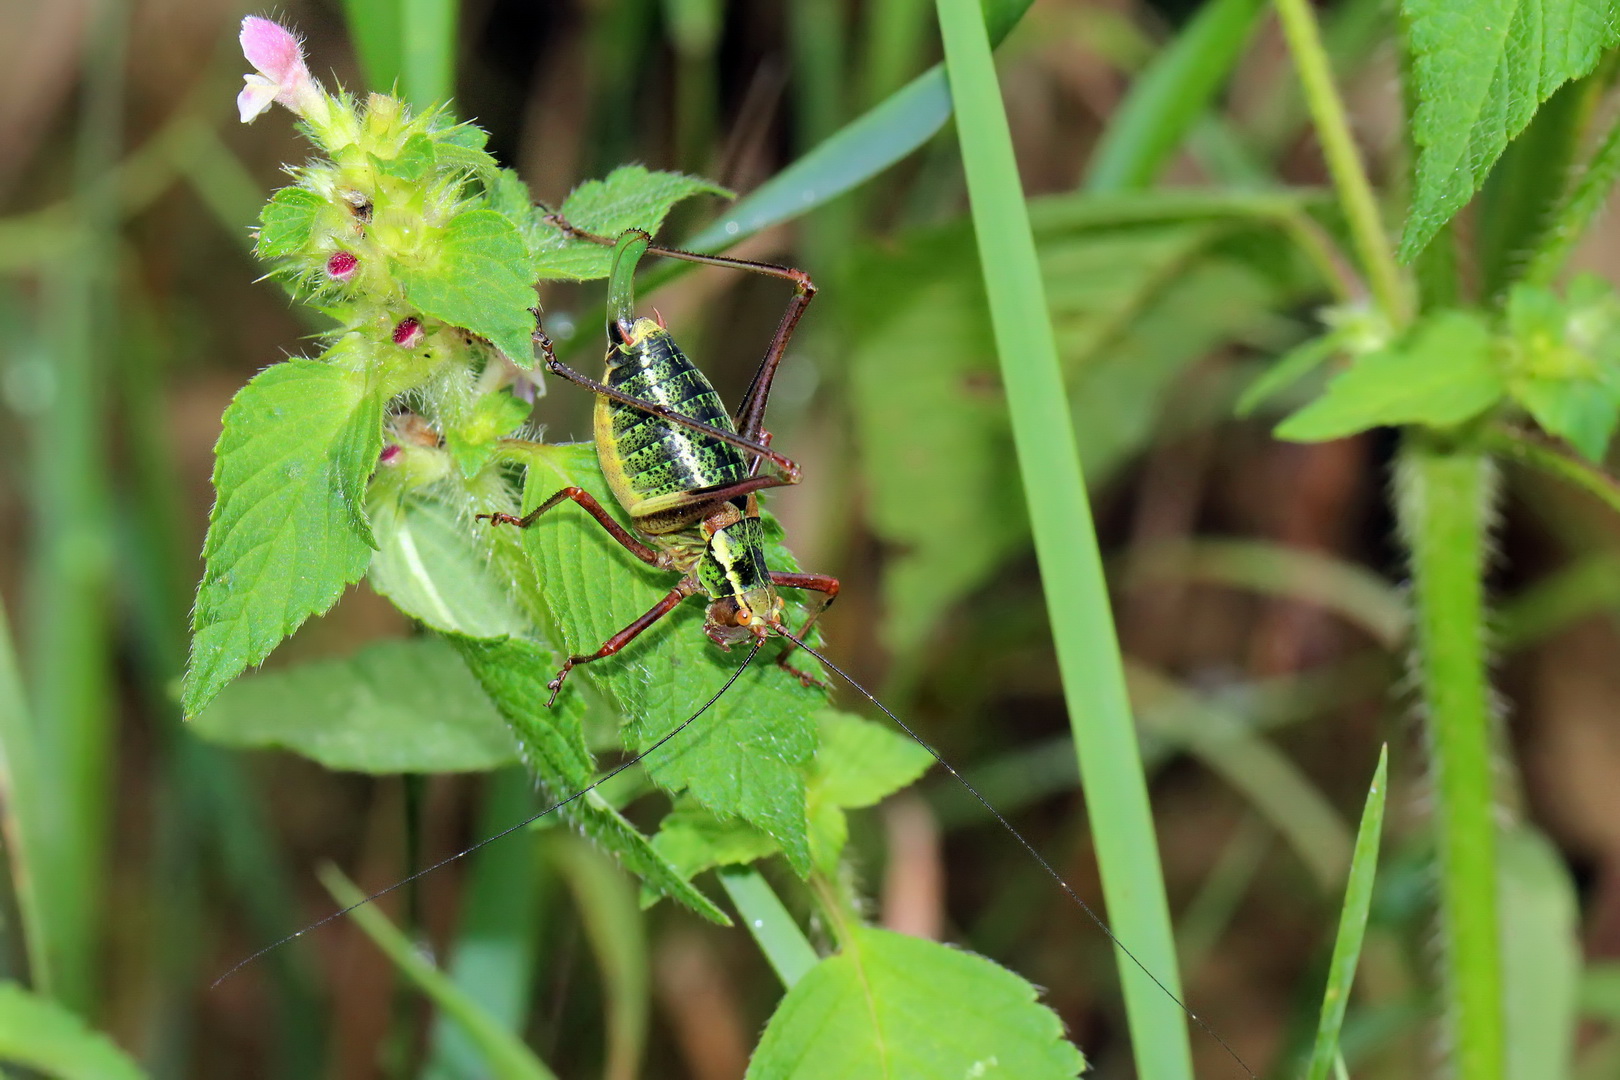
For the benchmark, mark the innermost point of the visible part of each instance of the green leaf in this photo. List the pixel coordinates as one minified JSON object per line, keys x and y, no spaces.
{"x":748,"y":756}
{"x":1539,"y":918}
{"x":43,"y":1036}
{"x":432,"y":562}
{"x":694,"y":840}
{"x":413,"y":161}
{"x":1481,"y":69}
{"x":503,"y":1052}
{"x":287,"y":222}
{"x":858,"y":764}
{"x":476,"y":275}
{"x":471,"y":441}
{"x":1441,"y":376}
{"x":1563,"y":364}
{"x":631,"y":197}
{"x":1288,"y":369}
{"x":288,"y":530}
{"x":514,"y":673}
{"x":394,"y":707}
{"x":896,"y":1007}
{"x":1352,"y":924}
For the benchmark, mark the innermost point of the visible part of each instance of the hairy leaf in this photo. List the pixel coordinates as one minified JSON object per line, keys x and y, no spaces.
{"x":288,"y":530}
{"x":858,"y":764}
{"x":287,"y":222}
{"x":1482,"y":68}
{"x":394,"y":707}
{"x":631,"y":197}
{"x":434,"y":565}
{"x":899,"y":1008}
{"x":514,"y":673}
{"x":1442,"y":375}
{"x":748,"y":756}
{"x":477,"y":277}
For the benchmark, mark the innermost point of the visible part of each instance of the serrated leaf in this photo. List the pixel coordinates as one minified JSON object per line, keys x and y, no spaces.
{"x":1561,"y":366}
{"x":514,"y":672}
{"x":393,"y":707}
{"x":414,"y":160}
{"x":1442,"y":375}
{"x":477,"y":276}
{"x":631,"y":197}
{"x":288,"y":530}
{"x":1481,"y":69}
{"x":42,"y":1036}
{"x":891,"y":1007}
{"x":694,"y":840}
{"x":287,"y":222}
{"x":859,"y":763}
{"x":432,"y":562}
{"x":472,"y":440}
{"x":749,"y":754}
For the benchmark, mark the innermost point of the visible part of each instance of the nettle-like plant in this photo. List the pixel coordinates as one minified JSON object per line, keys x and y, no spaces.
{"x":376,"y":459}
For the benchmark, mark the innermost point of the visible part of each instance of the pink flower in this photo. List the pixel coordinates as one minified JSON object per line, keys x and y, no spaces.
{"x":408,"y":334}
{"x":281,"y":76}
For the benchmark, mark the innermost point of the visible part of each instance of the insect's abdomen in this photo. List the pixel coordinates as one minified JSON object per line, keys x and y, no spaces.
{"x":650,"y":462}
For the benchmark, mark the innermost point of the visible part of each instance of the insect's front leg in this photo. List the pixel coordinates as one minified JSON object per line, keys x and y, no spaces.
{"x":827,"y":586}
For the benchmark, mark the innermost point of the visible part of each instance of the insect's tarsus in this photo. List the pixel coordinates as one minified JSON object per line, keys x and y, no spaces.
{"x":1102,"y":924}
{"x":509,"y":830}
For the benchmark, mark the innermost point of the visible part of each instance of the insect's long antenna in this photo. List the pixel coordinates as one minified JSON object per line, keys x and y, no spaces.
{"x":1016,"y":835}
{"x":508,"y":831}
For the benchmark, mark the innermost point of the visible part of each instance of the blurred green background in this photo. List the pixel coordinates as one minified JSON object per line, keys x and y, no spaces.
{"x":1256,"y":584}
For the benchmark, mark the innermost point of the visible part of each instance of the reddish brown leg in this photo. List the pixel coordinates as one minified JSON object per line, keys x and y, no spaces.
{"x":821,"y":583}
{"x":624,"y":637}
{"x":646,"y":554}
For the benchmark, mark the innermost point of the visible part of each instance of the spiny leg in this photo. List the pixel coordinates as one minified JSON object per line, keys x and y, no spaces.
{"x":789,"y":468}
{"x":647,"y":554}
{"x":751,"y":414}
{"x":825,"y":584}
{"x":624,"y":637}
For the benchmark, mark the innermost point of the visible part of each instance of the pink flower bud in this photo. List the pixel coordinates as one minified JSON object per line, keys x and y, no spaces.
{"x":282,"y":75}
{"x":408,"y":334}
{"x":341,"y":266}
{"x":390,"y":454}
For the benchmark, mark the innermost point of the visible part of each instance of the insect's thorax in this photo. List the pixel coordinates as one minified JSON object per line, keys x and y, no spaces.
{"x":651,"y":464}
{"x":733,"y":573}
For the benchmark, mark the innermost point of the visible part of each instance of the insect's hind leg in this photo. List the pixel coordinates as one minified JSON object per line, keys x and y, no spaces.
{"x":827,"y":586}
{"x":751,"y":414}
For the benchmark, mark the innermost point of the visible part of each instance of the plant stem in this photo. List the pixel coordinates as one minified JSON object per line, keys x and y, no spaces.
{"x":1066,"y":548}
{"x":1585,"y":199}
{"x":1344,"y":162}
{"x":1444,"y":499}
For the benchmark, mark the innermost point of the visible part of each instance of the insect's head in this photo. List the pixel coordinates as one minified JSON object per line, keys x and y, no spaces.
{"x":752,"y":614}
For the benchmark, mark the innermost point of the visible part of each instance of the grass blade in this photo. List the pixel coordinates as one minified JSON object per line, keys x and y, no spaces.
{"x":508,"y":1058}
{"x":859,"y":151}
{"x":1066,"y":548}
{"x":779,"y":937}
{"x":1352,"y":925}
{"x":1167,"y":99}
{"x":22,"y":816}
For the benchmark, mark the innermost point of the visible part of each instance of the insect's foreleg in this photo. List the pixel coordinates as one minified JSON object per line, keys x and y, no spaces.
{"x":824,"y":584}
{"x":786,"y":466}
{"x":669,"y":603}
{"x":647,"y":554}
